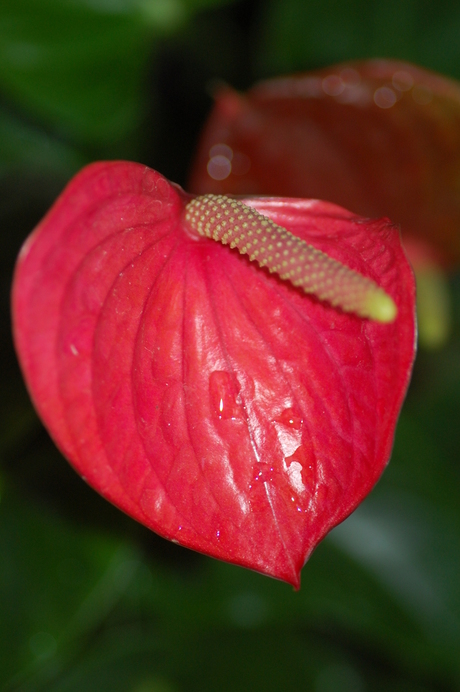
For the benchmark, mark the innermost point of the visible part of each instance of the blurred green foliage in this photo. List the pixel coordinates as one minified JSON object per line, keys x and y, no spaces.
{"x":89,"y":599}
{"x":321,"y":32}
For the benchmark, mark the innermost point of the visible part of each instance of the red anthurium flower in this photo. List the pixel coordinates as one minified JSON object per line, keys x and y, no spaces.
{"x":380,"y":137}
{"x":212,"y":400}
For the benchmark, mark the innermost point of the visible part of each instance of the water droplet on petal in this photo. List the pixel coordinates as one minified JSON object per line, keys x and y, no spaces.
{"x":301,"y":468}
{"x":290,"y":419}
{"x":224,"y":393}
{"x":294,"y":471}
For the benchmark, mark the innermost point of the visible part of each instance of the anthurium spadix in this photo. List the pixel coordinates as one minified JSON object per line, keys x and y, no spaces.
{"x":227,"y":372}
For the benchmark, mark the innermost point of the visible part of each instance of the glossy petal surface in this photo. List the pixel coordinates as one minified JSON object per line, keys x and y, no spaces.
{"x":380,"y":137}
{"x":212,"y":402}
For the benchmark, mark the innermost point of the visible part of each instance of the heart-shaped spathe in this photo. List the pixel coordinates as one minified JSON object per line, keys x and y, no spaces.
{"x":211,"y":401}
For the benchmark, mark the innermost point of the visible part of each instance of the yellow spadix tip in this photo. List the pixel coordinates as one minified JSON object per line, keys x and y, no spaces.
{"x":381,"y":307}
{"x":235,"y":224}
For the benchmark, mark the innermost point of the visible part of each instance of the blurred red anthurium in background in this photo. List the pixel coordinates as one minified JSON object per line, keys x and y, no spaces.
{"x":210,"y":400}
{"x":380,"y":137}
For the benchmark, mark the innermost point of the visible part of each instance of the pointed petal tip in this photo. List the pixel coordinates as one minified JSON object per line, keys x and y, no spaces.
{"x":287,"y":573}
{"x":293,"y":578}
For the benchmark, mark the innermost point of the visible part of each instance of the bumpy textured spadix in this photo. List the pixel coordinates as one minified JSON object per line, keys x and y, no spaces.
{"x":209,"y":399}
{"x":232,"y":222}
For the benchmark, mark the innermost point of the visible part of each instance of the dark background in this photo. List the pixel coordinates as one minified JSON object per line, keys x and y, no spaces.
{"x":92,"y":601}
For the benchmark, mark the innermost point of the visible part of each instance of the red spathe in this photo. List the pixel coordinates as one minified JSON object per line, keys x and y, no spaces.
{"x":211,"y":401}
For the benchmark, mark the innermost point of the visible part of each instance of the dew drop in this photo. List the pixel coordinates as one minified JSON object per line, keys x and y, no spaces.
{"x":290,"y":419}
{"x":224,"y":393}
{"x":294,"y":471}
{"x":301,"y":469}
